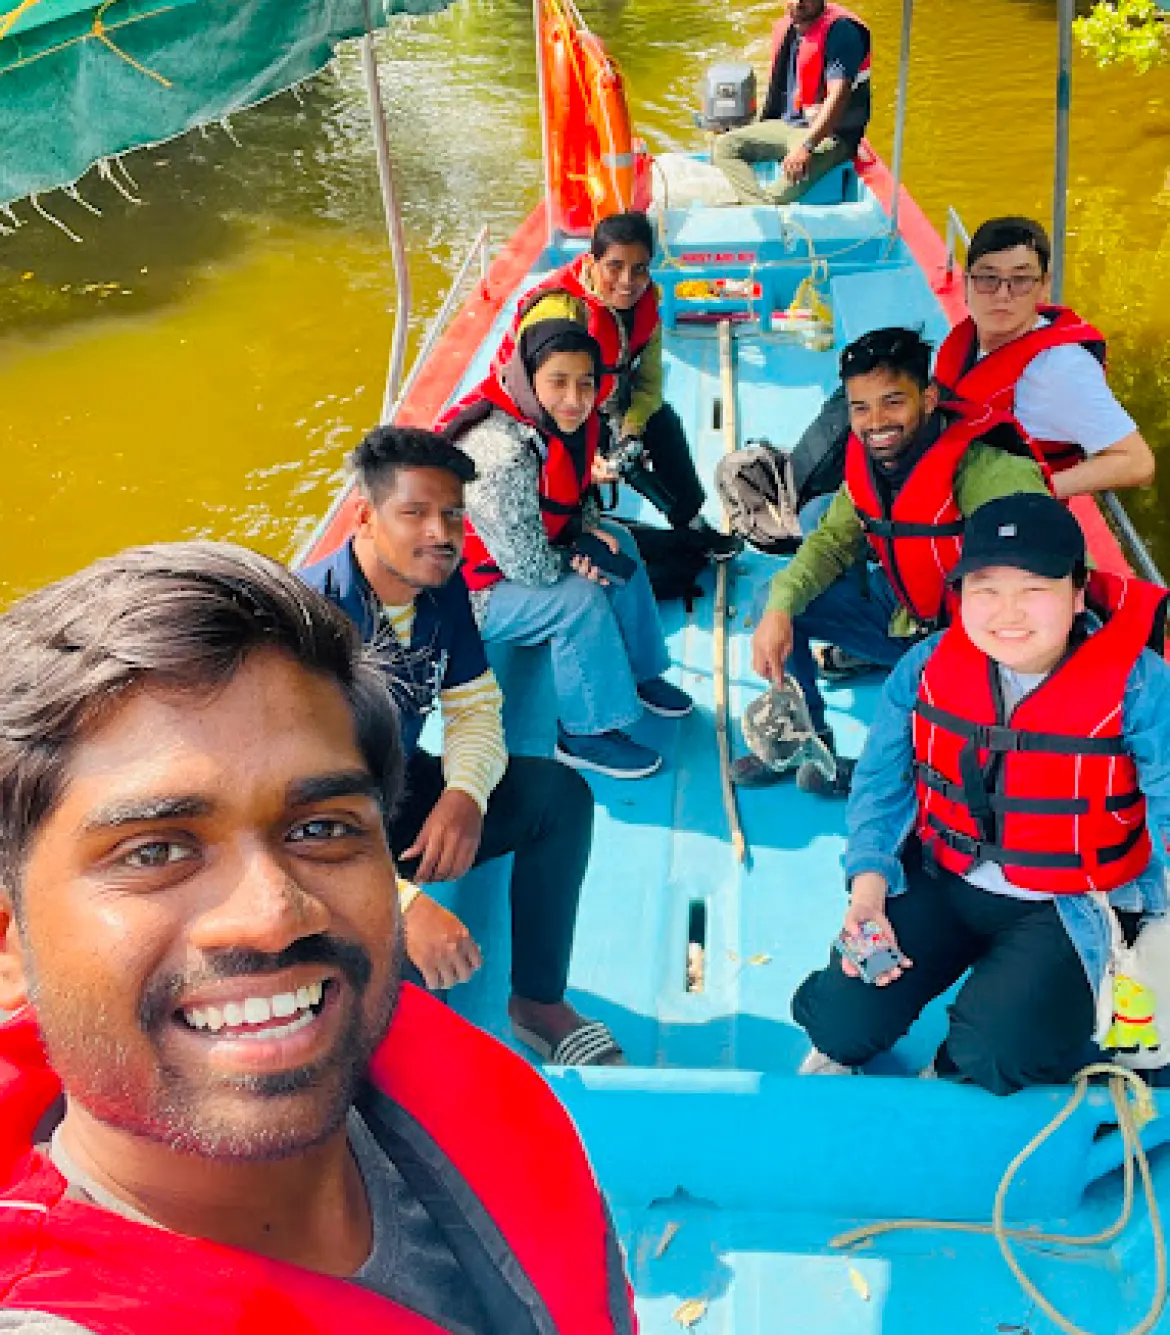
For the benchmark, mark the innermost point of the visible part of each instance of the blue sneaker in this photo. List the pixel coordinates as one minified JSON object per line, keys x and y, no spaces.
{"x":611,"y":753}
{"x":660,"y":697}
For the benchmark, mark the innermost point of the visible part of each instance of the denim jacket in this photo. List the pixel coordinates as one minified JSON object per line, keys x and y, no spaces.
{"x":883,"y":804}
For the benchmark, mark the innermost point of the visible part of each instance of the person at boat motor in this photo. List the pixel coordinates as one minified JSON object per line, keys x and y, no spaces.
{"x":1019,"y":353}
{"x":816,"y":109}
{"x":397,"y":581}
{"x":542,"y":564}
{"x":1013,"y":767}
{"x":220,"y":1109}
{"x":610,"y":288}
{"x":915,"y":470}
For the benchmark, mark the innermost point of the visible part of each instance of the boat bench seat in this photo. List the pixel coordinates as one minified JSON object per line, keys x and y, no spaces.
{"x":879,"y":298}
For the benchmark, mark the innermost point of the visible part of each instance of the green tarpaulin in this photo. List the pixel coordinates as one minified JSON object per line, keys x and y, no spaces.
{"x":80,"y":82}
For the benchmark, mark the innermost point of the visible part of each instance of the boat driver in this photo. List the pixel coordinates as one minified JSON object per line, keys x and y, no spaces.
{"x":219,"y":1109}
{"x":816,"y":110}
{"x":1013,"y":765}
{"x":915,"y":469}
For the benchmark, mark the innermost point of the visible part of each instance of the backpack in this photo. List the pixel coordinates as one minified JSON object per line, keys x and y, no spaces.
{"x":673,"y":560}
{"x":763,"y":488}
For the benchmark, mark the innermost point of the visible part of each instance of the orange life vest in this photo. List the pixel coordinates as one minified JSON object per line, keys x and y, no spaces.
{"x":1048,"y":791}
{"x":918,"y":538}
{"x":620,"y":351}
{"x":992,"y":379}
{"x":564,"y":477}
{"x":810,"y":58}
{"x":486,"y":1144}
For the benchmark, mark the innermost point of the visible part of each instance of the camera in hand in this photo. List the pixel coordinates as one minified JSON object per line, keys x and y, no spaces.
{"x":628,"y":460}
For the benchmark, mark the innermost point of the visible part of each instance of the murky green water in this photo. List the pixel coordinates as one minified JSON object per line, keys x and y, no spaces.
{"x":201,"y":362}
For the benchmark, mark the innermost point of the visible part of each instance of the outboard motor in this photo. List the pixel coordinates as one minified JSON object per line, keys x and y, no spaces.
{"x":729,"y":96}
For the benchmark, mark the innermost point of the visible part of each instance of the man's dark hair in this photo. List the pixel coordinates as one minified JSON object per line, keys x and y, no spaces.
{"x":386,"y":449}
{"x":900,"y":351}
{"x":622,"y":229}
{"x":177,"y":616}
{"x":1005,"y":234}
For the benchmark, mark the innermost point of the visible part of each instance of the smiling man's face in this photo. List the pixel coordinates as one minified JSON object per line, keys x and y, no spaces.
{"x":209,"y":928}
{"x":887,"y":409}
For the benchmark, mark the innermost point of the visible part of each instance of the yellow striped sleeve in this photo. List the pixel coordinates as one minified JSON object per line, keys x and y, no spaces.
{"x":408,"y":892}
{"x":401,"y":621}
{"x":474,"y":754}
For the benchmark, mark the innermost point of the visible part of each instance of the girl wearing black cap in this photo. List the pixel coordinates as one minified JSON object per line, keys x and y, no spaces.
{"x":542,"y":564}
{"x":1002,"y":808}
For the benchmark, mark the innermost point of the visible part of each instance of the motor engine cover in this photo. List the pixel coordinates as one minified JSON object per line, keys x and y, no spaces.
{"x":728,"y":95}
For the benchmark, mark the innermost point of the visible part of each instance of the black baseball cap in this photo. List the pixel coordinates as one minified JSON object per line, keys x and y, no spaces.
{"x":1027,"y":531}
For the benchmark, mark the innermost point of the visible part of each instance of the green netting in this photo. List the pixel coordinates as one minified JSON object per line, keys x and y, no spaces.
{"x":80,"y":82}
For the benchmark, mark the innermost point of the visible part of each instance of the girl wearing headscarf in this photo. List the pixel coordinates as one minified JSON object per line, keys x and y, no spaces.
{"x":532,"y":431}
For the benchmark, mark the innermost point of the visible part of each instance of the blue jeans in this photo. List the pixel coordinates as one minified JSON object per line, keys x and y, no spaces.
{"x":854,"y":613}
{"x":604,"y":640}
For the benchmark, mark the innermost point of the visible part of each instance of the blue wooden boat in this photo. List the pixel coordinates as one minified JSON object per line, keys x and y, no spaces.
{"x":729,"y":1176}
{"x":732,"y":1181}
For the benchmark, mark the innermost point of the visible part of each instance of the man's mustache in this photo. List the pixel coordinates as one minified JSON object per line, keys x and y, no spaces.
{"x":162,"y":994}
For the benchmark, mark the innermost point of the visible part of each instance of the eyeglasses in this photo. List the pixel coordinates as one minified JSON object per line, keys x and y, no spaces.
{"x":1017,"y":284}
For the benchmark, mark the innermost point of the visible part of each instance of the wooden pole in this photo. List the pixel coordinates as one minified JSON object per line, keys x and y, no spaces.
{"x":722,"y":705}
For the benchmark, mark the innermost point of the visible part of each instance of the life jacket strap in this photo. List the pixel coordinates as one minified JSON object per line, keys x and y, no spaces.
{"x":996,"y":737}
{"x":980,"y":851}
{"x":997,"y":802}
{"x":895,"y":528}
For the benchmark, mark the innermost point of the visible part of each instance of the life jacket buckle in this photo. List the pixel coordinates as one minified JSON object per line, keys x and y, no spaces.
{"x":992,"y":737}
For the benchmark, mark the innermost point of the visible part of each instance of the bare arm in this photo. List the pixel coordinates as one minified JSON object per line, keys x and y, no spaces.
{"x":828,"y":115}
{"x":1128,"y":463}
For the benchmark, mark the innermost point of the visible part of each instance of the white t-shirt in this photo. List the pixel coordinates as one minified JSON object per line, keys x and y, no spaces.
{"x":1015,"y":685}
{"x":1063,"y":395}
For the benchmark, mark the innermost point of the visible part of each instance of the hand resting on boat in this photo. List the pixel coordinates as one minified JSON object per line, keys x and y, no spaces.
{"x":867,"y":903}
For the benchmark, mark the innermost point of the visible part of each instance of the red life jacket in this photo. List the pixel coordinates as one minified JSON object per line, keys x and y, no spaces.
{"x":620,"y":351}
{"x":564,"y":479}
{"x":1050,"y":791}
{"x":810,"y":58}
{"x":993,"y":379}
{"x":481,"y":1134}
{"x":918,"y":539}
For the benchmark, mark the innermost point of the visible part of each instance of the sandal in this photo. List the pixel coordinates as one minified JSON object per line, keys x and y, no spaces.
{"x":589,"y":1045}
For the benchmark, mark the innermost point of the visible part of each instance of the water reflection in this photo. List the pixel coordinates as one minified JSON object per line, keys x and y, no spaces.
{"x":201,"y":362}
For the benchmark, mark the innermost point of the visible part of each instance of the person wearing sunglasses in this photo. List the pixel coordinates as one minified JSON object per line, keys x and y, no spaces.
{"x":1019,"y":353}
{"x":915,"y":470}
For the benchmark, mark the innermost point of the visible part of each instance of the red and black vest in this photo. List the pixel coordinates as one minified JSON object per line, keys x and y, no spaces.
{"x":1048,"y":791}
{"x":620,"y":350}
{"x":811,"y":88}
{"x":564,"y":476}
{"x":992,"y":379}
{"x":918,"y":538}
{"x":486,"y":1143}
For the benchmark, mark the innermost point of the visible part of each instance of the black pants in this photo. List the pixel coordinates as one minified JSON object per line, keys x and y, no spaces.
{"x":1025,"y":1016}
{"x":542,"y":812}
{"x":672,"y":464}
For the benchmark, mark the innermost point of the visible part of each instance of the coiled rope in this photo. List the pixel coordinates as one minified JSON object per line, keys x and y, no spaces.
{"x":1133,"y":1104}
